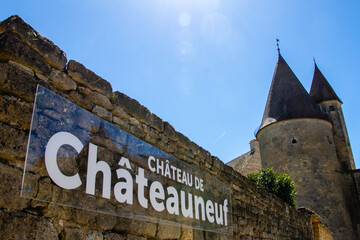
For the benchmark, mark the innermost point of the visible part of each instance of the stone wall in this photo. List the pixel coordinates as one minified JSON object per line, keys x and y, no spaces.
{"x":249,"y":162}
{"x":28,"y":59}
{"x":286,"y":145}
{"x":356,"y":179}
{"x":341,"y":137}
{"x":320,"y":231}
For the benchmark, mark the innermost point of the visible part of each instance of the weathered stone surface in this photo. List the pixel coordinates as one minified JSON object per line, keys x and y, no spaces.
{"x":168,"y":232}
{"x":187,"y":233}
{"x":41,"y":77}
{"x":21,"y":67}
{"x":58,"y":211}
{"x":119,"y":112}
{"x":169,"y":130}
{"x":15,"y":112}
{"x":277,"y":140}
{"x":102,"y":112}
{"x":85,"y":217}
{"x":58,"y":224}
{"x":121,"y":123}
{"x":137,"y":131}
{"x":100,"y":99}
{"x":21,"y":225}
{"x":12,"y":48}
{"x":124,"y":236}
{"x":130,"y":105}
{"x":10,"y":179}
{"x":73,"y":233}
{"x":198,"y":235}
{"x":13,"y":143}
{"x":180,"y":139}
{"x":17,"y":82}
{"x":84,"y":91}
{"x":106,"y":221}
{"x":85,"y":76}
{"x":52,"y":53}
{"x":61,"y":80}
{"x":94,"y":235}
{"x":134,"y":121}
{"x":151,"y":135}
{"x":183,"y":141}
{"x":139,"y":227}
{"x":134,"y":108}
{"x":82,"y":101}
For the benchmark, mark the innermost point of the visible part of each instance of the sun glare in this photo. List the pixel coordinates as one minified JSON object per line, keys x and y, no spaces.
{"x":184,"y":19}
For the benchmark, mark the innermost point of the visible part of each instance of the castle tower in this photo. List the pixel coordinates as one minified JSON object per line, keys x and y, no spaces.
{"x":296,"y":137}
{"x":323,"y":94}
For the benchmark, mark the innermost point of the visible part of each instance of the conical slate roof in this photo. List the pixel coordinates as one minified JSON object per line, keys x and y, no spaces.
{"x":287,"y":98}
{"x":321,"y":90}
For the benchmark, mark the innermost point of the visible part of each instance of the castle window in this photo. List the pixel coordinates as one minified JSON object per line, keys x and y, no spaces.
{"x":331,"y":108}
{"x":293,"y":141}
{"x":322,"y":108}
{"x":329,"y":140}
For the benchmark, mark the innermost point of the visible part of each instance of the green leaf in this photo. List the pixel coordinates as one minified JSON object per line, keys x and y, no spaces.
{"x":279,"y":184}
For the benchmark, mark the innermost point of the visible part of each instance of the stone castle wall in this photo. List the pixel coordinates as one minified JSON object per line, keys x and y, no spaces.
{"x":308,"y":145}
{"x":341,"y":138}
{"x":249,"y":162}
{"x":28,"y":59}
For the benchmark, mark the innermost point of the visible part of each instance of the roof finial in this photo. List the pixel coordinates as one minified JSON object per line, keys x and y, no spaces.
{"x":314,"y":61}
{"x":277,"y":44}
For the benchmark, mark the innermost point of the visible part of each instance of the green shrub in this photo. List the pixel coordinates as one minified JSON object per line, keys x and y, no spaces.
{"x":279,"y":184}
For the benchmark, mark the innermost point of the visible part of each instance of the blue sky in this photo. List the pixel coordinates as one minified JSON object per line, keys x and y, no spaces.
{"x":205,"y":66}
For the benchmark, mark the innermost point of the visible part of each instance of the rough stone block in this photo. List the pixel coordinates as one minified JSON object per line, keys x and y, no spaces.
{"x":73,"y":233}
{"x":41,"y":77}
{"x":22,"y":67}
{"x":199,"y":235}
{"x":156,"y":122}
{"x":187,"y":233}
{"x":84,"y":91}
{"x":217,"y":163}
{"x":85,"y":76}
{"x":21,"y":225}
{"x":119,"y":112}
{"x":61,"y":80}
{"x":85,"y":217}
{"x":102,"y":112}
{"x":133,"y":226}
{"x":168,"y":232}
{"x":13,"y":143}
{"x":19,"y":83}
{"x":152,"y":133}
{"x":137,"y":131}
{"x":169,"y":130}
{"x":106,"y":221}
{"x":81,"y":101}
{"x":134,"y":121}
{"x":100,"y":99}
{"x":10,"y":179}
{"x":15,"y":112}
{"x":183,"y":141}
{"x":124,"y":236}
{"x":134,"y":108}
{"x":122,"y":124}
{"x":52,"y":53}
{"x":12,"y":48}
{"x":58,"y":211}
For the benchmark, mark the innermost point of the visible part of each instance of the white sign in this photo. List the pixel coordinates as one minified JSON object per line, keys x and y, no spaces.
{"x":95,"y":165}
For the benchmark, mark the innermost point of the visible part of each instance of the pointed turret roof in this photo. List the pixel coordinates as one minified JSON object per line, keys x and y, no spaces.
{"x":321,"y":90}
{"x":287,"y":98}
